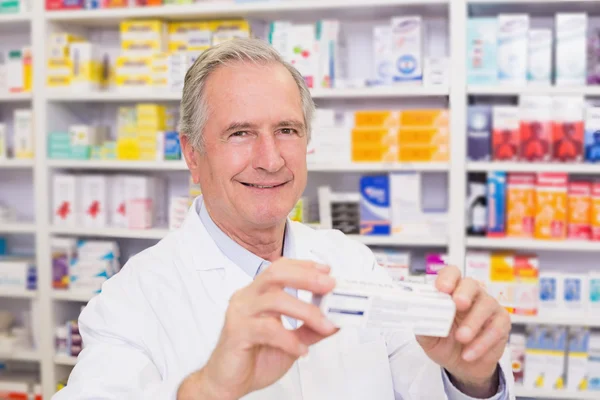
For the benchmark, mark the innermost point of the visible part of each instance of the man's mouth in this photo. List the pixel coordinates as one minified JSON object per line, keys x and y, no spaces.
{"x":271,"y":186}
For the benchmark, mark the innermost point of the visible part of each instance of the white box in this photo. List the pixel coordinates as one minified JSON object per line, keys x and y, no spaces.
{"x":545,"y":357}
{"x":407,"y":49}
{"x":3,"y":142}
{"x":539,"y":68}
{"x":383,"y":66}
{"x":505,"y":117}
{"x":577,"y":358}
{"x":327,"y":49}
{"x":478,"y":267}
{"x":436,"y":72}
{"x":117,"y":202}
{"x":14,"y":272}
{"x":551,"y":290}
{"x":419,"y":309}
{"x":593,"y":367}
{"x":575,"y":293}
{"x":178,"y":209}
{"x":15,"y":76}
{"x":594,"y":293}
{"x":513,"y":31}
{"x":65,"y":206}
{"x":405,"y":203}
{"x":396,"y":263}
{"x":306,"y":61}
{"x":139,"y":191}
{"x":160,"y":203}
{"x":23,"y":137}
{"x":571,"y":48}
{"x":94,"y":200}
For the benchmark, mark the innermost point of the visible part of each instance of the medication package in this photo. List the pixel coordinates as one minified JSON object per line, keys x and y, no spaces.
{"x":418,"y":308}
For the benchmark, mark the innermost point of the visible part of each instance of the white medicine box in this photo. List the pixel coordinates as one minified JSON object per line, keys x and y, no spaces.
{"x":94,"y":200}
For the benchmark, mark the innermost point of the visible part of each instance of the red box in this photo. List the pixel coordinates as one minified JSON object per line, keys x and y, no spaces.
{"x":54,"y":5}
{"x":506,"y":133}
{"x":536,"y":142}
{"x":144,"y":3}
{"x":579,"y":210}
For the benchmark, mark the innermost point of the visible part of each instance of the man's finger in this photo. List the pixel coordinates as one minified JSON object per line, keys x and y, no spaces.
{"x":302,"y":275}
{"x":495,"y":333}
{"x":447,"y":279}
{"x":484,"y":308}
{"x":309,"y":337}
{"x":270,"y":332}
{"x":282,"y":303}
{"x":465,"y":294}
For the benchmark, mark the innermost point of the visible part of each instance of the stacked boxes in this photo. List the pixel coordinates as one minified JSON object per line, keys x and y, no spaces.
{"x":23,"y":137}
{"x":373,"y":136}
{"x":579,"y":210}
{"x":520,"y":207}
{"x":151,"y":119}
{"x":544,"y":358}
{"x":16,"y":74}
{"x":551,"y":206}
{"x":424,"y":136}
{"x":59,"y":62}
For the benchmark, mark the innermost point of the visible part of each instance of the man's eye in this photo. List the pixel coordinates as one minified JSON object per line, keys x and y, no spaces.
{"x":239,"y":134}
{"x":288,"y":131}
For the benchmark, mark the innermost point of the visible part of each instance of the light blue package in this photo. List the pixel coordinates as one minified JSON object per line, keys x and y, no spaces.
{"x":2,"y":246}
{"x":496,"y":201}
{"x":172,"y":146}
{"x":513,"y":31}
{"x":594,"y":292}
{"x":482,"y":65}
{"x":375,"y":215}
{"x":573,"y":292}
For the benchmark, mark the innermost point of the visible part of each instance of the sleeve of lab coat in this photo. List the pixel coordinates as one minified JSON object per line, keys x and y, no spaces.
{"x":414,"y":375}
{"x":115,"y":363}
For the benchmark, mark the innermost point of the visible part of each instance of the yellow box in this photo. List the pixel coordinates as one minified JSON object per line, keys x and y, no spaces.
{"x":502,"y":279}
{"x":148,"y":109}
{"x":423,"y":136}
{"x":57,"y":52}
{"x":62,"y":39}
{"x":58,"y":73}
{"x":127,"y":149}
{"x":139,"y":29}
{"x":189,"y":36}
{"x":131,"y":65}
{"x":373,"y":136}
{"x":224,"y":30}
{"x":143,"y":47}
{"x":373,"y":153}
{"x":387,"y":119}
{"x":27,"y":69}
{"x":160,"y":70}
{"x":520,"y":205}
{"x":424,"y":118}
{"x":551,"y":206}
{"x":423,"y":153}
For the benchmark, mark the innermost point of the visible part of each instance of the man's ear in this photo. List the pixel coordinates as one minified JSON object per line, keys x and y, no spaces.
{"x":191,"y":156}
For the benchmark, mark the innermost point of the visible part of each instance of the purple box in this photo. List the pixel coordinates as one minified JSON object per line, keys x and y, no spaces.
{"x":479,"y":133}
{"x":593,"y":57}
{"x":434,"y":262}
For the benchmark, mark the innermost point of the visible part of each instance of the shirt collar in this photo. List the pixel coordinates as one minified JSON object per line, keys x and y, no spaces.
{"x":249,"y":262}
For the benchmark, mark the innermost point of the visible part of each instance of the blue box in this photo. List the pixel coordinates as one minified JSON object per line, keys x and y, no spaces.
{"x":375,"y":214}
{"x":2,"y":246}
{"x":479,"y":133}
{"x":172,"y":146}
{"x":496,"y":203}
{"x":592,"y":134}
{"x":482,"y":63}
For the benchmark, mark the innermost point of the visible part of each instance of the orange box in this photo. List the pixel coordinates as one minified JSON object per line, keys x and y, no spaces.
{"x":580,"y":203}
{"x":423,"y":136}
{"x":595,"y":211}
{"x":387,"y":119}
{"x":526,"y":284}
{"x":520,"y":205}
{"x":423,"y":153}
{"x":424,"y":118}
{"x":502,"y":279}
{"x":551,"y":206}
{"x":373,"y":153}
{"x":372,"y":136}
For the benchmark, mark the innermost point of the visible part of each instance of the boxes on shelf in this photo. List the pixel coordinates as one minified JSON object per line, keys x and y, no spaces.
{"x":496,"y":202}
{"x":134,"y":72}
{"x":568,"y":129}
{"x":407,"y":49}
{"x":571,"y":48}
{"x":94,"y":200}
{"x":536,"y":128}
{"x":593,"y":365}
{"x":579,"y":205}
{"x":502,"y":279}
{"x":224,"y":30}
{"x":592,"y":134}
{"x":86,"y":63}
{"x":178,"y":209}
{"x":65,"y":200}
{"x":551,"y":293}
{"x":23,"y":137}
{"x":396,"y":263}
{"x":300,"y":212}
{"x":520,"y":205}
{"x":143,"y":37}
{"x":479,"y":133}
{"x":551,"y":206}
{"x":505,"y":135}
{"x":595,"y":211}
{"x":17,"y":273}
{"x":517,"y":355}
{"x":526,"y":273}
{"x":375,"y":218}
{"x":539,"y":66}
{"x":544,"y":358}
{"x":339,"y":211}
{"x":482,"y":51}
{"x":577,"y":360}
{"x":434,"y":262}
{"x":478,"y":267}
{"x":513,"y":31}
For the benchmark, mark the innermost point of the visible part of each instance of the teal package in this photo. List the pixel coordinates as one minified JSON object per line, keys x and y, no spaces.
{"x":172,"y":146}
{"x":482,"y":61}
{"x":496,"y":200}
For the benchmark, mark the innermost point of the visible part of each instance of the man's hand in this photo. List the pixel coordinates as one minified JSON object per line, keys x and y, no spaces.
{"x":477,"y":339}
{"x":255,"y":349}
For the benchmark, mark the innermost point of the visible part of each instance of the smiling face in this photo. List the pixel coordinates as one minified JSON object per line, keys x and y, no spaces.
{"x":253,"y":167}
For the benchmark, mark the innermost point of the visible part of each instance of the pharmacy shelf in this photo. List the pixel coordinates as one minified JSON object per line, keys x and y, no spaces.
{"x":14,"y":97}
{"x":555,"y":394}
{"x":379,"y":167}
{"x":324,"y":94}
{"x":17,"y":227}
{"x":18,"y":293}
{"x":119,"y":165}
{"x":583,"y":169}
{"x":124,"y":233}
{"x":533,"y":7}
{"x":61,"y":359}
{"x":508,"y":90}
{"x":21,"y":355}
{"x":400,"y":241}
{"x":74,"y":296}
{"x":264,"y":9}
{"x":14,"y":19}
{"x":532,"y":244}
{"x":11,"y":163}
{"x":556,"y":319}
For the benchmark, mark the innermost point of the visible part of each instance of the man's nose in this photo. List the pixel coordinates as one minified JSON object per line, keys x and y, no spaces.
{"x":267,"y":155}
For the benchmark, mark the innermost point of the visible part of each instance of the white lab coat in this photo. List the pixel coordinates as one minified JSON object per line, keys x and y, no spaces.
{"x":159,"y":319}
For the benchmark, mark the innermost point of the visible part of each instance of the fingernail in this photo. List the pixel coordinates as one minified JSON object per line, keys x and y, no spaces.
{"x":464,"y":332}
{"x":326,"y":280}
{"x":328,"y":325}
{"x":469,"y":355}
{"x":323,"y":267}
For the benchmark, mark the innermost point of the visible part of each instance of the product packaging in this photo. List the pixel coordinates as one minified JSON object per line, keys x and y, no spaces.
{"x":551,"y":293}
{"x":513,"y":31}
{"x":375,"y":205}
{"x":536,"y":128}
{"x":505,"y":136}
{"x":594,"y":293}
{"x":419,"y":309}
{"x":545,"y":357}
{"x":595,"y":211}
{"x":327,"y":49}
{"x":304,"y":55}
{"x":478,"y":267}
{"x":482,"y":65}
{"x":479,"y":133}
{"x":593,"y":367}
{"x":94,"y":200}
{"x":592,"y":134}
{"x":593,"y":56}
{"x":396,"y":263}
{"x":575,"y":294}
{"x":496,"y":202}
{"x":577,"y":360}
{"x":551,"y":206}
{"x":517,"y":355}
{"x":383,"y":63}
{"x":502,"y":280}
{"x":23,"y":137}
{"x":407,"y":49}
{"x":434,"y":263}
{"x":520,"y":205}
{"x":476,"y":211}
{"x":65,"y":198}
{"x":568,"y":129}
{"x":579,"y":207}
{"x":526,"y":284}
{"x":571,"y":48}
{"x":539,"y":70}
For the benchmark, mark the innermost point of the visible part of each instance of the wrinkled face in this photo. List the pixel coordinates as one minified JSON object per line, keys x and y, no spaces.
{"x":253,"y":167}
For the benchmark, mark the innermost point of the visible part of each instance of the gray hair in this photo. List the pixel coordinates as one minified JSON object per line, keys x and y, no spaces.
{"x":194,"y":106}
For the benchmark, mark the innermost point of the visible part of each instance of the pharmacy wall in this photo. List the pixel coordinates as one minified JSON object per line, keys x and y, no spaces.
{"x":471,"y":124}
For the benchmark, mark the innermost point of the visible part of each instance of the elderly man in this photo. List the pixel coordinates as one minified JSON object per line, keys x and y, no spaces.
{"x":221,"y":309}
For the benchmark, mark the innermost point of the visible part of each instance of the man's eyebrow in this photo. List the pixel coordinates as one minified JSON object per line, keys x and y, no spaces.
{"x":237,"y":126}
{"x":291,"y":123}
